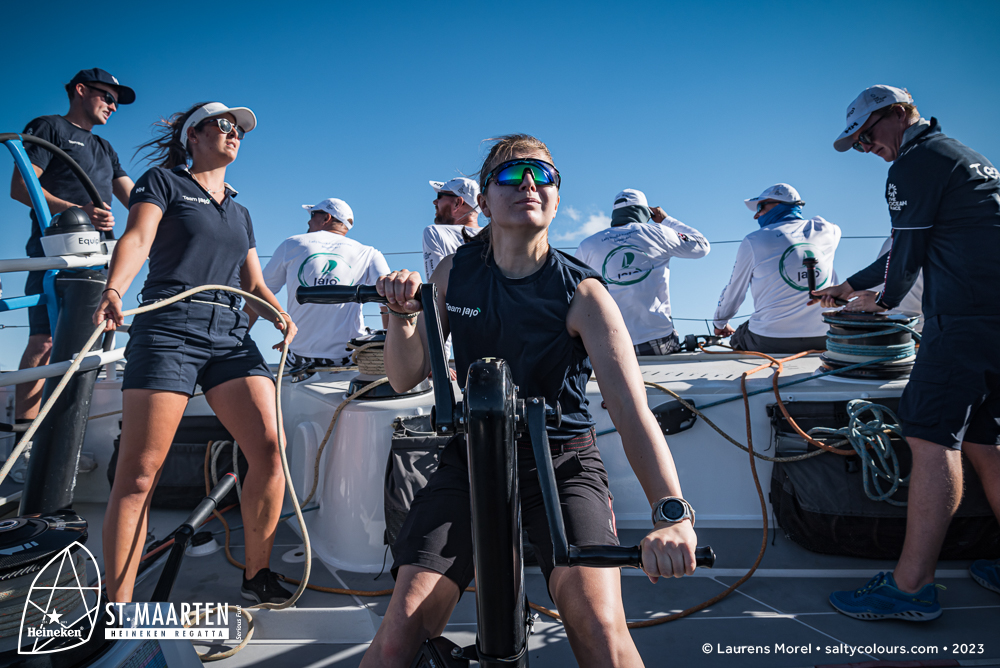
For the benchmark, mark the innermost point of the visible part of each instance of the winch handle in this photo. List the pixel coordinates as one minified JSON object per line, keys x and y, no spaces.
{"x":810,"y":264}
{"x":620,"y":556}
{"x":444,"y":395}
{"x":564,"y":554}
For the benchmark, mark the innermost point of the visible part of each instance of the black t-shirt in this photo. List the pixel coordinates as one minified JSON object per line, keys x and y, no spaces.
{"x":523,"y":321}
{"x":94,"y":154}
{"x":198,"y":241}
{"x":944,"y":202}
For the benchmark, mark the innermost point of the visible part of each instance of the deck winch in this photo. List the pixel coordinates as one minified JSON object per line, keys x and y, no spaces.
{"x":367,"y":354}
{"x":886,"y":340}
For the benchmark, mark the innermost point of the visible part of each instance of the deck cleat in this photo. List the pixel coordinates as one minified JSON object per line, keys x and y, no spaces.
{"x":882,"y":599}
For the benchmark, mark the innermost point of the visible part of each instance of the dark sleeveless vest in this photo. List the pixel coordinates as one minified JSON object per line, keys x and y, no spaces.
{"x":523,"y":321}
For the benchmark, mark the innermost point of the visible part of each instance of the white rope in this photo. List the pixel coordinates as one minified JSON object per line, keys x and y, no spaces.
{"x":99,"y":330}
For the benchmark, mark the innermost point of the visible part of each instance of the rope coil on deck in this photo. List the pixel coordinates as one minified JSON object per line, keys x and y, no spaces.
{"x":871,"y":441}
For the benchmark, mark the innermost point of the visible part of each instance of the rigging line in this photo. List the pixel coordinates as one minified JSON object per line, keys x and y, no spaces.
{"x":572,"y":248}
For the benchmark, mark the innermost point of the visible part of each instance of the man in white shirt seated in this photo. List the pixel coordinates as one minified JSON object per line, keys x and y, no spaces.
{"x":633,"y":256}
{"x":770,"y":262}
{"x":323,"y":256}
{"x":456,"y":220}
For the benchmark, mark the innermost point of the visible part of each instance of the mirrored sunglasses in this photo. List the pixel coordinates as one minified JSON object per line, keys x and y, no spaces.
{"x":511,"y":173}
{"x":226,"y":126}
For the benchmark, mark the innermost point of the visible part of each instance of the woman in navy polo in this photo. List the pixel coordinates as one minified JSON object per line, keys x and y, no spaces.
{"x":184,"y":219}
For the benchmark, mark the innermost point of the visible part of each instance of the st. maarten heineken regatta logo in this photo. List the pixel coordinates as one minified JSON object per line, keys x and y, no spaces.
{"x":323,"y":269}
{"x":796,"y":274}
{"x":626,"y":265}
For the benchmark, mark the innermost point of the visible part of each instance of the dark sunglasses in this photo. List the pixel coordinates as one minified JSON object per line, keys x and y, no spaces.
{"x":109,"y":99}
{"x":226,"y":126}
{"x":761,"y":205}
{"x":511,"y":173}
{"x":444,"y":193}
{"x":865,"y":138}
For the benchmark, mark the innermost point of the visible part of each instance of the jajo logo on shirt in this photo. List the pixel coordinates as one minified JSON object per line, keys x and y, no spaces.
{"x":464,"y":310}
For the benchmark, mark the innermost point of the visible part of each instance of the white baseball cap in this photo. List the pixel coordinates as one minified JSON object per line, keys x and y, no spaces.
{"x":244,"y":117}
{"x":630,"y":197}
{"x":337,"y":208}
{"x":465,"y":188}
{"x":781,"y":192}
{"x":871,"y":99}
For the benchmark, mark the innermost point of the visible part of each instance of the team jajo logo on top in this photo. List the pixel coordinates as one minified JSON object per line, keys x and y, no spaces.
{"x":62,"y":608}
{"x":468,"y":311}
{"x":323,"y":269}
{"x":796,"y":274}
{"x":626,"y":265}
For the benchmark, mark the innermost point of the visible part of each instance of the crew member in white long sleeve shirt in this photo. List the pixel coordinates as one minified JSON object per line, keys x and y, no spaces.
{"x":456,"y":220}
{"x":633,"y":256}
{"x":770,"y":262}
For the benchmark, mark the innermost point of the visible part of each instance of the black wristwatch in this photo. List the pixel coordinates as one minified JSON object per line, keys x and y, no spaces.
{"x":673,"y":509}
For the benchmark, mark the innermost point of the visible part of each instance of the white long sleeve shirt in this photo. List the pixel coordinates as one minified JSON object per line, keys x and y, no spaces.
{"x":323,"y":258}
{"x":440,"y":241}
{"x":634,"y":259}
{"x":769,"y":262}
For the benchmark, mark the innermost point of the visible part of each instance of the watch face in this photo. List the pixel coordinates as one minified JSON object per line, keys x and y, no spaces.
{"x":673,"y":510}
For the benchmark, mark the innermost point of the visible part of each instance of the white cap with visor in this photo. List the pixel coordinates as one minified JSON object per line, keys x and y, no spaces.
{"x":779,"y":192}
{"x":244,"y":117}
{"x":337,"y":208}
{"x":465,"y":188}
{"x":871,"y":100}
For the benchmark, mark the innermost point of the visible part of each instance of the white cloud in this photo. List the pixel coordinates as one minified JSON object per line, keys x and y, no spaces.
{"x":572,"y":213}
{"x":595,"y":223}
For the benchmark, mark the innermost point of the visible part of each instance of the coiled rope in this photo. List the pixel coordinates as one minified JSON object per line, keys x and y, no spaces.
{"x":871,"y":442}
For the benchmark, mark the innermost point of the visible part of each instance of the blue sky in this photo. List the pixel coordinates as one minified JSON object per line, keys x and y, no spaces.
{"x":699,"y":104}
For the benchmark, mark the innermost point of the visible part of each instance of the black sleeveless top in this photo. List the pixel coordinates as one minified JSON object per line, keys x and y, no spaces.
{"x":523,"y":321}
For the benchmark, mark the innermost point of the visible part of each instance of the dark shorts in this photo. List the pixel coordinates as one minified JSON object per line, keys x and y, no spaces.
{"x":744,"y":339}
{"x":38,"y":316}
{"x":437,"y":532}
{"x":954,"y":390}
{"x":191,"y":343}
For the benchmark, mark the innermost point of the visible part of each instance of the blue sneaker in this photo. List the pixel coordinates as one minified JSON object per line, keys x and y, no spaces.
{"x":882,"y":599}
{"x":986,"y":573}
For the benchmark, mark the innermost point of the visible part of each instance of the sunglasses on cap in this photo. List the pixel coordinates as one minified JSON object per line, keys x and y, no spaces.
{"x":225,"y":125}
{"x":865,"y":138}
{"x":109,"y":99}
{"x":511,"y":173}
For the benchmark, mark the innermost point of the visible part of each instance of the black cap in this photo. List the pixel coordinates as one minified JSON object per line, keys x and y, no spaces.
{"x":125,"y":94}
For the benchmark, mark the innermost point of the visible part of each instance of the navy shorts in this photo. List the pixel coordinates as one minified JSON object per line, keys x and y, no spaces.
{"x":437,"y":532}
{"x":38,"y":316}
{"x":191,"y":343}
{"x":954,"y":390}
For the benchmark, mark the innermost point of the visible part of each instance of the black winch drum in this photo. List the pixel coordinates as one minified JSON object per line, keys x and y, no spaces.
{"x":845,"y":328}
{"x":29,"y":541}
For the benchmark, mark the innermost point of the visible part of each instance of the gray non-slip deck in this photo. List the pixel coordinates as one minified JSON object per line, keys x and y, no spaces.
{"x":782,"y":612}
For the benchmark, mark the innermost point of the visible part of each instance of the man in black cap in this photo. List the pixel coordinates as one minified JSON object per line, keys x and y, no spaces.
{"x":93,"y":96}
